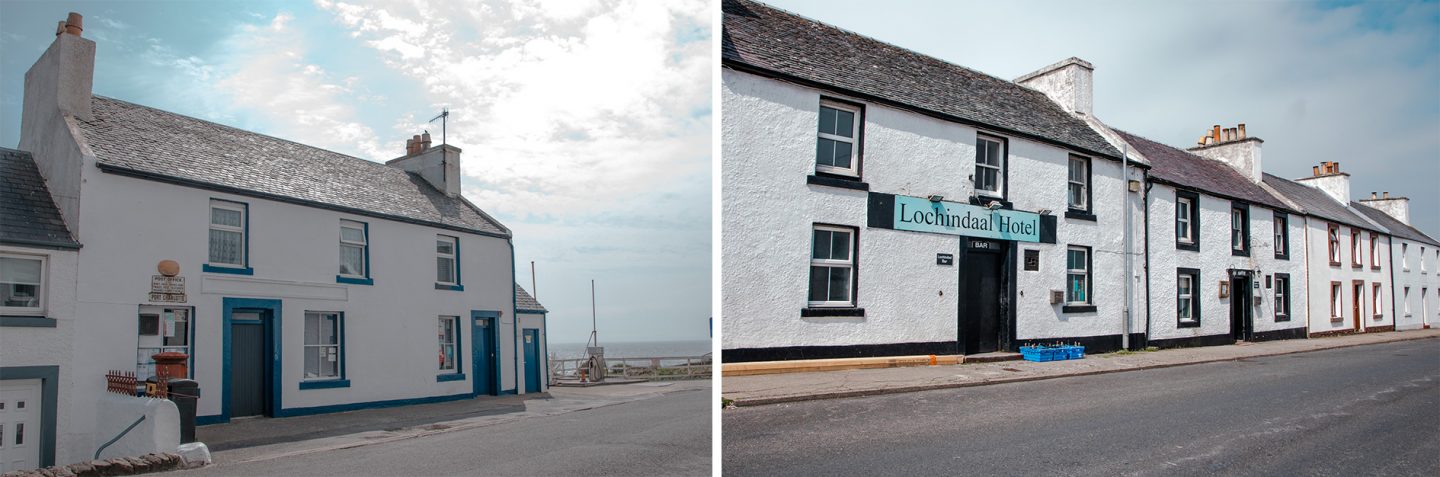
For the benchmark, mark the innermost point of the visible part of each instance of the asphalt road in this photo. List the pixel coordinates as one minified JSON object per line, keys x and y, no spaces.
{"x":1367,"y":410}
{"x":665,"y":435}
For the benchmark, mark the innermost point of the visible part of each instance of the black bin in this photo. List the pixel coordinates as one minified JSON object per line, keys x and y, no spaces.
{"x":185,"y":393}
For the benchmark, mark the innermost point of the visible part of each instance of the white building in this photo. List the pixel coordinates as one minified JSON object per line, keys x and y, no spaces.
{"x":1413,"y":261}
{"x":876,"y":202}
{"x":297,"y":280}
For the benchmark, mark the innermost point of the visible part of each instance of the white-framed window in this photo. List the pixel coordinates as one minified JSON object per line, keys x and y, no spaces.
{"x":353,"y":254}
{"x":447,"y":253}
{"x":1079,"y":181}
{"x":1406,"y":301}
{"x":1405,"y":256}
{"x":161,"y":329}
{"x":1422,"y":258}
{"x":1356,"y":258}
{"x":1239,"y":230}
{"x":837,"y":148}
{"x":1378,"y":302}
{"x":832,"y":266}
{"x":1336,"y":306}
{"x":1333,"y":232}
{"x":1185,"y":298}
{"x":22,"y":284}
{"x":323,"y":342}
{"x":989,"y":166}
{"x":1282,"y":297}
{"x":1077,"y":275}
{"x":1282,"y":235}
{"x":1184,"y":214}
{"x":449,"y":359}
{"x":1375,"y":250}
{"x":227,"y":233}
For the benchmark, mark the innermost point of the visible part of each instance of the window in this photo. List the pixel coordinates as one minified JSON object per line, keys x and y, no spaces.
{"x":1282,"y":297}
{"x":1377,"y":302}
{"x":1335,"y":305}
{"x":161,"y":329}
{"x":832,"y":266}
{"x":837,"y":149}
{"x":1405,"y":256}
{"x":354,"y":249}
{"x":989,"y":166}
{"x":447,"y":257}
{"x":22,"y":284}
{"x":1333,"y":233}
{"x":227,"y":234}
{"x":1375,"y":251}
{"x":1079,"y":183}
{"x":1422,"y":258}
{"x":1187,"y":220}
{"x":1406,"y":301}
{"x":323,"y":331}
{"x":1186,"y":296}
{"x":1356,"y":259}
{"x":1282,"y":236}
{"x":449,"y":345}
{"x":1240,"y":230}
{"x":1077,"y":275}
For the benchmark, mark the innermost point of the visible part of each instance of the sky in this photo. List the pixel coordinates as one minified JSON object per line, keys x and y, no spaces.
{"x":1353,"y":82}
{"x":585,"y":125}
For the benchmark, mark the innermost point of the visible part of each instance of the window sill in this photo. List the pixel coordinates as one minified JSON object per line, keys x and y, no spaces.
{"x":812,"y":312}
{"x":208,"y":268}
{"x":1379,"y":317}
{"x":1239,"y":253}
{"x":1192,"y":246}
{"x":26,"y":321}
{"x":325,"y":384}
{"x":443,"y":286}
{"x":1284,"y":256}
{"x":354,"y":280}
{"x":1282,"y":318}
{"x":1077,"y":309}
{"x":1188,"y":324}
{"x":982,"y":199}
{"x":832,"y":181}
{"x":1337,"y":319}
{"x":450,"y":377}
{"x":1374,"y":268}
{"x":1080,"y":215}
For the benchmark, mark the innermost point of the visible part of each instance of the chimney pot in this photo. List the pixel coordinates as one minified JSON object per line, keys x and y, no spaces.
{"x":1315,"y":171}
{"x":60,"y":28}
{"x":1372,"y":195}
{"x":1215,"y":133}
{"x":1387,"y":194}
{"x":425,"y":140}
{"x":74,"y":24}
{"x":1242,"y":130}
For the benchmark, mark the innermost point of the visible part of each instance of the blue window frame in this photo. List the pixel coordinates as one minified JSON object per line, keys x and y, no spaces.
{"x":229,"y":246}
{"x":354,"y":253}
{"x":324,"y":350}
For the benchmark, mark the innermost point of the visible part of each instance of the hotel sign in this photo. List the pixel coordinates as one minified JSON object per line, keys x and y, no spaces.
{"x":918,"y":214}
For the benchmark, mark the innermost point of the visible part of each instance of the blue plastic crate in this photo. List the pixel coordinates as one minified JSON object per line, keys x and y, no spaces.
{"x":1057,"y":353}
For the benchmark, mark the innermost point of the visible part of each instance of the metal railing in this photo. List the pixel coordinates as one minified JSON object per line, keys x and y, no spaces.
{"x":646,"y":368}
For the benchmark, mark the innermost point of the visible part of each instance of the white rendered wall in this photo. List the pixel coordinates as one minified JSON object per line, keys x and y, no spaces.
{"x":390,"y":327}
{"x":768,"y":211}
{"x":25,"y":346}
{"x":1322,"y":273}
{"x":1214,"y":260}
{"x":1407,"y":261}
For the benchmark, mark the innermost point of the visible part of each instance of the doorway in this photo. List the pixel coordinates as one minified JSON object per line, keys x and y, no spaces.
{"x":984,"y":294}
{"x":1358,"y":303}
{"x":20,"y":424}
{"x":483,"y":353}
{"x":1241,"y":305}
{"x":532,"y":360}
{"x":250,"y":363}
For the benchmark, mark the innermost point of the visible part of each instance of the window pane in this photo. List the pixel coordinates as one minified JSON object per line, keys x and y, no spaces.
{"x":827,"y":120}
{"x":1075,"y":292}
{"x":819,"y":277}
{"x":219,"y":216}
{"x":1077,"y":195}
{"x":26,"y":296}
{"x":445,"y":246}
{"x":820,"y":248}
{"x":19,"y":270}
{"x":840,"y":246}
{"x":225,"y":246}
{"x":181,"y":334}
{"x":328,"y":328}
{"x":825,"y":152}
{"x":842,"y":155}
{"x":839,"y":284}
{"x":352,"y":260}
{"x":844,"y":124}
{"x":444,"y":270}
{"x":352,"y":235}
{"x":330,"y":362}
{"x":1184,"y":308}
{"x":312,"y":361}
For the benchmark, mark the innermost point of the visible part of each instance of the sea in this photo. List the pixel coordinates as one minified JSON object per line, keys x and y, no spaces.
{"x":634,"y":349}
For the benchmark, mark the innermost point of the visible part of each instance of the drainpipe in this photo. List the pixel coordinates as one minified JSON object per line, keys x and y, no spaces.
{"x":1146,"y":218}
{"x":1308,"y":290}
{"x":1129,"y":278}
{"x":1395,"y":312}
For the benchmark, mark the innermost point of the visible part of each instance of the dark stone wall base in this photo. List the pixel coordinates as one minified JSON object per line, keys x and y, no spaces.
{"x":1196,"y":341}
{"x":743,"y":355}
{"x":1326,"y":334}
{"x":1092,"y":344}
{"x":1287,"y":334}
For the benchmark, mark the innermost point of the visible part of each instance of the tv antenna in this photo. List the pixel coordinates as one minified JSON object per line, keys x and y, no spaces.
{"x":443,"y":117}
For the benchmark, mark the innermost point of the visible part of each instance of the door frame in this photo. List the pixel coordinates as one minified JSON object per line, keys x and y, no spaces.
{"x":1357,"y":307}
{"x":49,"y":383}
{"x":1247,"y":309}
{"x":1005,"y":335}
{"x":539,"y":370}
{"x":492,"y":341}
{"x":270,"y":317}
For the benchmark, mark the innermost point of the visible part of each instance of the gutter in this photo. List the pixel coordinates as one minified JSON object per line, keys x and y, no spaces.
{"x":42,"y":243}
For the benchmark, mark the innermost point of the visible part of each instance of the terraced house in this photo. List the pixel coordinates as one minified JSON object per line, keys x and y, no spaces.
{"x":296,"y":280}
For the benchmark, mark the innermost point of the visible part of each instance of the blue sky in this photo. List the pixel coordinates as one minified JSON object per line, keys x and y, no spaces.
{"x":1354,"y":82}
{"x":585,"y":125}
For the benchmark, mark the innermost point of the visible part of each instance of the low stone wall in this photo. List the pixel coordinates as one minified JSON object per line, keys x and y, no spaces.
{"x":108,"y":467}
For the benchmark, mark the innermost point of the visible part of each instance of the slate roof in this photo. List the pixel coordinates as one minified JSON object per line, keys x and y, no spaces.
{"x":1183,"y":168}
{"x":1317,"y":203}
{"x":155,"y":144}
{"x":1397,"y":228}
{"x":28,"y":215}
{"x":525,"y":302}
{"x":762,"y":37}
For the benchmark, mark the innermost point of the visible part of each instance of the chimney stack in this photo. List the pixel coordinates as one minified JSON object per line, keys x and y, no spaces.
{"x":1397,"y":207}
{"x":1068,"y":83}
{"x":1328,"y":178}
{"x":57,"y":92}
{"x":1234,"y":148}
{"x":440,"y":166}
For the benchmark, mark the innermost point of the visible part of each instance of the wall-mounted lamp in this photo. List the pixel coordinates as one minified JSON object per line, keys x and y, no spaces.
{"x":936,"y":197}
{"x":992,"y":205}
{"x":1043,"y":211}
{"x":1224,"y":289}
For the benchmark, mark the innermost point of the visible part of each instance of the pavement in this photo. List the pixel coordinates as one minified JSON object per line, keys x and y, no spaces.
{"x":1363,"y":410}
{"x":791,"y":387}
{"x":261,"y":439}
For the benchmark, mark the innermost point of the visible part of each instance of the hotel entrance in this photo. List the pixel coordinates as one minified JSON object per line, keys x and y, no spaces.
{"x":984,"y":295}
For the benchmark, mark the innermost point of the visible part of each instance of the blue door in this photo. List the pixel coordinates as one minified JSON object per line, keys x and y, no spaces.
{"x":532,"y":360}
{"x":483,"y":350}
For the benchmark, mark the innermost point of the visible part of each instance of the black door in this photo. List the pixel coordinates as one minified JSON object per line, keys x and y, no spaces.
{"x":248,"y":367}
{"x":982,"y":289}
{"x":1240,"y":308}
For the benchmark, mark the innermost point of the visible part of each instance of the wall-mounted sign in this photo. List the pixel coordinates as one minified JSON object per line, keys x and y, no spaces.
{"x":1032,"y":260}
{"x":165,"y":289}
{"x":944,"y":259}
{"x":918,"y":214}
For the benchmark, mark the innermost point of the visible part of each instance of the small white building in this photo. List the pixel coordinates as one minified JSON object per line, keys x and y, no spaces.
{"x":297,"y":280}
{"x":1414,"y":262}
{"x":876,"y":201}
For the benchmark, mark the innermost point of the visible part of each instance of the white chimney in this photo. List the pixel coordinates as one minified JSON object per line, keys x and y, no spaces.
{"x":1327,"y":177}
{"x":57,"y":93}
{"x":1069,"y":83}
{"x":1231,"y":146}
{"x":439,"y":165}
{"x":1397,"y":207}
